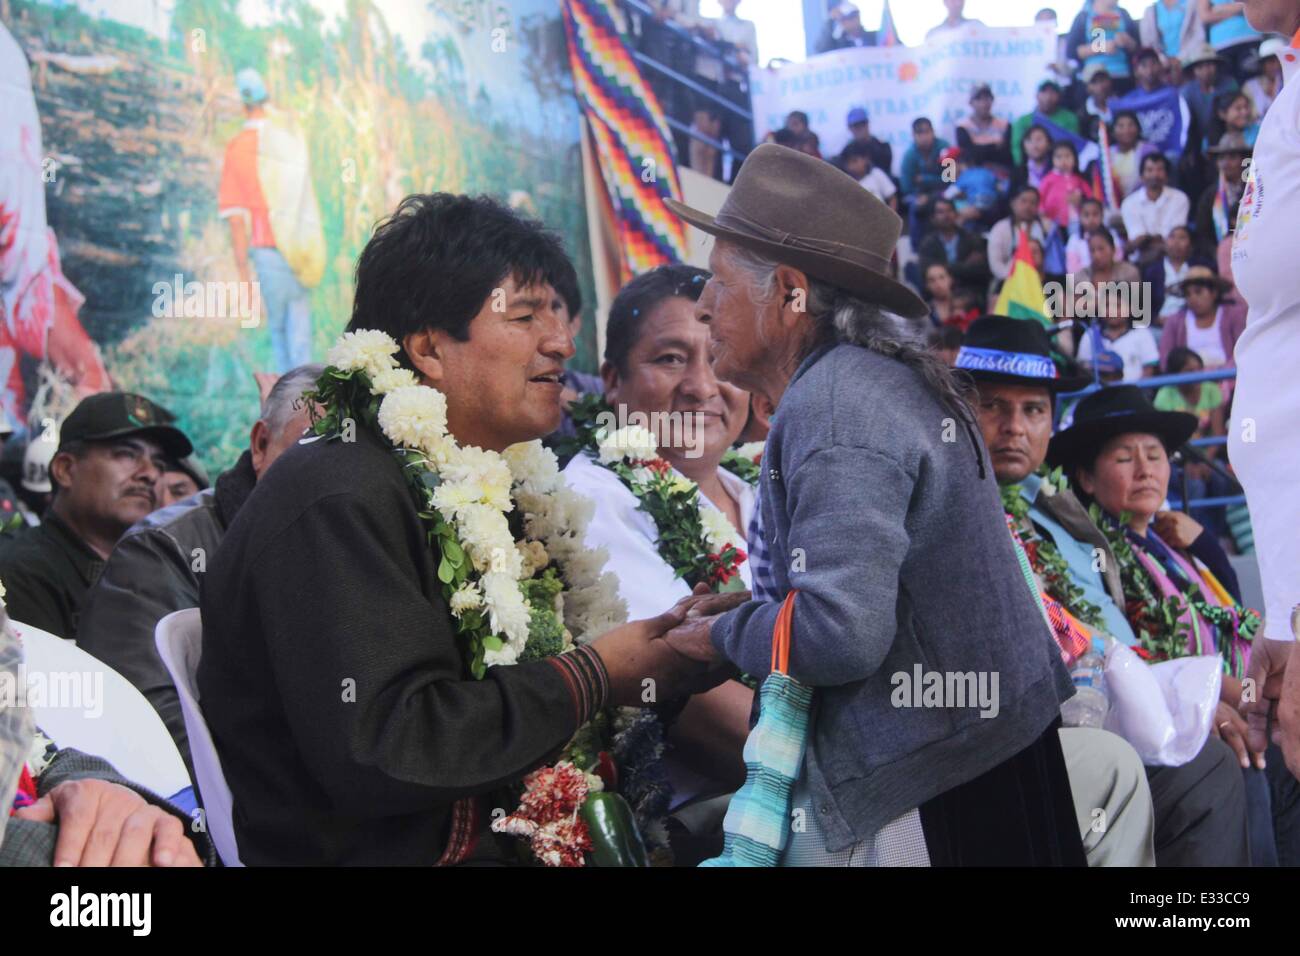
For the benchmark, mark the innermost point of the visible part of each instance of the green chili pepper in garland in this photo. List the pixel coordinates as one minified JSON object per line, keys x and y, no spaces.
{"x":615,"y":840}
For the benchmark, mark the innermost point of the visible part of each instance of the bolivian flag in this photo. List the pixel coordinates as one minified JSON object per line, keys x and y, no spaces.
{"x":1022,"y":294}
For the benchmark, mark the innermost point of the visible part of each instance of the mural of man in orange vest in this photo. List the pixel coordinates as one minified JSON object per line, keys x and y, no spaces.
{"x":266,"y":194}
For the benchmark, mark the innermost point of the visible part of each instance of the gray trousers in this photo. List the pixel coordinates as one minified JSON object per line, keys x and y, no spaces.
{"x":1111,"y":798}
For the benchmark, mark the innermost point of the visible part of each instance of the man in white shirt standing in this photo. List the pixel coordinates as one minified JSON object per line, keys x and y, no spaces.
{"x":1262,"y":440}
{"x":1152,"y":211}
{"x":955,"y":20}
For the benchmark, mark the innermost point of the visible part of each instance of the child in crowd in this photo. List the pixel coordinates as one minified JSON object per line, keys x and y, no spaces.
{"x":1091,"y":218}
{"x":1236,"y":114}
{"x":1126,"y":151}
{"x":1139,"y":357}
{"x":1207,"y":402}
{"x":855,"y":159}
{"x":1063,"y":189}
{"x":975,"y":193}
{"x":950,"y":303}
{"x":1036,"y":148}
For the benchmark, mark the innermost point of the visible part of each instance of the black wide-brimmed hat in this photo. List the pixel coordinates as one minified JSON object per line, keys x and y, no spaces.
{"x":1116,"y":410}
{"x":1013,"y":352}
{"x":805,"y":213}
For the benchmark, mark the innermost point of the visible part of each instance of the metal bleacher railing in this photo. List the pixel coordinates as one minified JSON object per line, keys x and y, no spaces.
{"x":1182,"y":378}
{"x":689,"y":83}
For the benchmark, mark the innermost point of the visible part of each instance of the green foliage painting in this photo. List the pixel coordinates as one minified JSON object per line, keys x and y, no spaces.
{"x":139,"y":104}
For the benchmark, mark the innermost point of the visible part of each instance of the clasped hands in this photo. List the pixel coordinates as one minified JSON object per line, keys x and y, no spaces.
{"x":668,"y":656}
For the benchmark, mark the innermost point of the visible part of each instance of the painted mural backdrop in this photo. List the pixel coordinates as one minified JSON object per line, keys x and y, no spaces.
{"x":164,"y":150}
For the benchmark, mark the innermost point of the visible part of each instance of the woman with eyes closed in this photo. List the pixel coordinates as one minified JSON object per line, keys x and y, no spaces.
{"x":1116,"y":453}
{"x":657,"y":361}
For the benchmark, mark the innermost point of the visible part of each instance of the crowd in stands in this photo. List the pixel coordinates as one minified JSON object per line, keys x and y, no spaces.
{"x":1164,"y":219}
{"x":1042,"y":172}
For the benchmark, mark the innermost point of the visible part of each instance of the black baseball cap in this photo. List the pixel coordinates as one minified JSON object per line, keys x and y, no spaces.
{"x":190,"y":466}
{"x":108,"y":415}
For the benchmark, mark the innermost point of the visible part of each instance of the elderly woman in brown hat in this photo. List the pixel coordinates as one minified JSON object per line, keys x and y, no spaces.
{"x":873,"y":478}
{"x":1210,"y":324}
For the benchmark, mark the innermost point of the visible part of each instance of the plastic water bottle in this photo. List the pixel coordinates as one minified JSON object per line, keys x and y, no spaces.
{"x":1088,"y":706}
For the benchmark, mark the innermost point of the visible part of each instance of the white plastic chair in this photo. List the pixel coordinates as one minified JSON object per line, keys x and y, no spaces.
{"x":179,"y":637}
{"x":99,"y":713}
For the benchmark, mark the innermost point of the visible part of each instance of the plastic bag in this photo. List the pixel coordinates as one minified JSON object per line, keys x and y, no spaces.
{"x":1164,"y":710}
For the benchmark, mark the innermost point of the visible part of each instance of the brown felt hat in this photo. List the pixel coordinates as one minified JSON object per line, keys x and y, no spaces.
{"x":805,"y":213}
{"x":1201,"y":275}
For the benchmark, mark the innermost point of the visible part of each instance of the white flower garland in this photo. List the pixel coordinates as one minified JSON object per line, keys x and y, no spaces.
{"x":635,"y":446}
{"x":475,"y":491}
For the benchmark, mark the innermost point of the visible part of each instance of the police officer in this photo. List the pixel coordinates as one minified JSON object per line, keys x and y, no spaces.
{"x":113,"y":448}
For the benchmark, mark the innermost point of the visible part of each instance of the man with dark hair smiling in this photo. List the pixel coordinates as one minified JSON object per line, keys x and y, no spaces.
{"x":113,"y":448}
{"x":334,"y":675}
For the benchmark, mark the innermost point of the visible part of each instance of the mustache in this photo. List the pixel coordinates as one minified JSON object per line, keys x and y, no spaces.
{"x":145,"y":491}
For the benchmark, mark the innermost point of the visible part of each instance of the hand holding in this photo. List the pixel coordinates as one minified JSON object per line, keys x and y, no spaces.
{"x":637,"y":662}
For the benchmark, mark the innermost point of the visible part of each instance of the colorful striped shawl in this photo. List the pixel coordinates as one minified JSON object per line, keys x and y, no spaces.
{"x":1216,"y":623}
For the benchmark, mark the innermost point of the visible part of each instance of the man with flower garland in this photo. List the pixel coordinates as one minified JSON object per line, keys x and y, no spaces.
{"x":667,"y":509}
{"x":1200,"y":807}
{"x":349,"y":689}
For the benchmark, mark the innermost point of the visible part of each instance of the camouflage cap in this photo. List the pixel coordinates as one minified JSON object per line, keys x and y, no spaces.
{"x":109,"y":415}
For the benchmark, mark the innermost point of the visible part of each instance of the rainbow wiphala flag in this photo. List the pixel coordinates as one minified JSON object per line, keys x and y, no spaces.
{"x":631,"y":138}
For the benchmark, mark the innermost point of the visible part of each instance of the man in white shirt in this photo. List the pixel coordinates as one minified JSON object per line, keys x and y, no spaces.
{"x":1152,"y":211}
{"x":657,"y":363}
{"x":955,"y":19}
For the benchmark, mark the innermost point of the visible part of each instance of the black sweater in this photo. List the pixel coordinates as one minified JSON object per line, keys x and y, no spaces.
{"x":334,"y":685}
